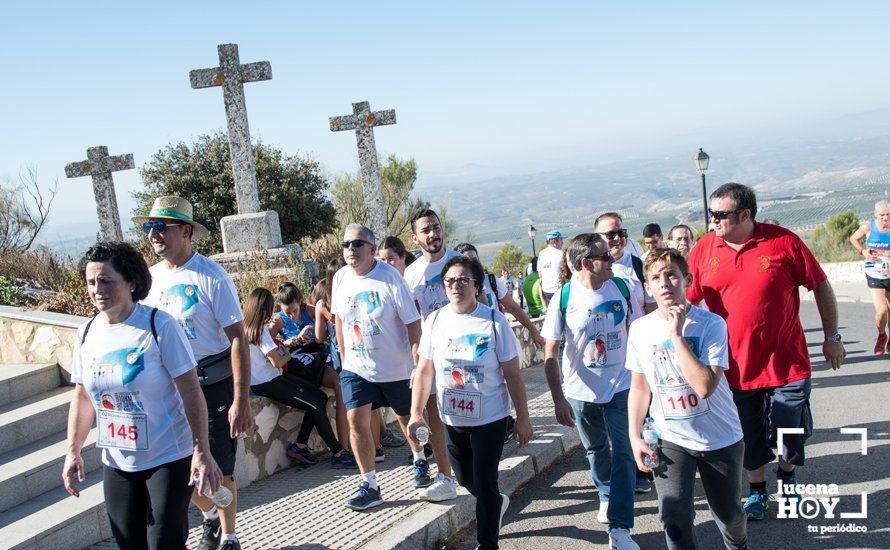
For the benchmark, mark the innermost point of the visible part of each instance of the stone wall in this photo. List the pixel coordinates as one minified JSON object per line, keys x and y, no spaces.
{"x":38,"y":337}
{"x":528,"y":354}
{"x":845,"y":272}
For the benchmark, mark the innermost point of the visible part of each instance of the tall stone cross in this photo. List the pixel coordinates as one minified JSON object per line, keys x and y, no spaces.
{"x":363,"y":121}
{"x":100,"y":166}
{"x":231,"y":75}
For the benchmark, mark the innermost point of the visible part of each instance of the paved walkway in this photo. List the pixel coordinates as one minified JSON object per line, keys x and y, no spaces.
{"x":557,"y":510}
{"x":302,"y":507}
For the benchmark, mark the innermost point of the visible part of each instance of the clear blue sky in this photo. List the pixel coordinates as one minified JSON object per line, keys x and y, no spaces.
{"x":495,"y":84}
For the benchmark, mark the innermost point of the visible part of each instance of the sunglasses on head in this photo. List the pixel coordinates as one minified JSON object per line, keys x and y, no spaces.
{"x":355,"y":243}
{"x":159,"y":226}
{"x":723,"y":214}
{"x":612,"y":234}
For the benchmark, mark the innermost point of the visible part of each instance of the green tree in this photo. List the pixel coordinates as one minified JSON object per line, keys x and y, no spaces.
{"x":830,"y":242}
{"x":201,"y":173}
{"x":512,"y":259}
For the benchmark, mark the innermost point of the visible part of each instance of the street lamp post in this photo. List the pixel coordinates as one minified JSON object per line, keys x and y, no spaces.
{"x":531,"y":233}
{"x":701,"y":162}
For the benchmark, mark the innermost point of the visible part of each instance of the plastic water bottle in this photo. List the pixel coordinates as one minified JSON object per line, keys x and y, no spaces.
{"x":422,"y":435}
{"x":222,"y":497}
{"x":650,"y":436}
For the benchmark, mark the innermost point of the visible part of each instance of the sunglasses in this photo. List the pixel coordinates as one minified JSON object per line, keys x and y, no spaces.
{"x":159,"y":226}
{"x":355,"y":243}
{"x":604,"y":257}
{"x":723,"y":214}
{"x":609,"y":235}
{"x":460,"y":282}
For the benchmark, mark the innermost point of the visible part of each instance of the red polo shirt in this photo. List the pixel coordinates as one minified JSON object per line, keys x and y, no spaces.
{"x":755,"y":290}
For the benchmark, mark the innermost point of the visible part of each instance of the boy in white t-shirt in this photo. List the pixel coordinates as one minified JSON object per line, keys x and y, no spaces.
{"x":677,"y":355}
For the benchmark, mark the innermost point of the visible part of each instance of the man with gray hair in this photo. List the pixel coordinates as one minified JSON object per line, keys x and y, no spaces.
{"x":593,"y":311}
{"x":876,"y":251}
{"x":378,"y":330}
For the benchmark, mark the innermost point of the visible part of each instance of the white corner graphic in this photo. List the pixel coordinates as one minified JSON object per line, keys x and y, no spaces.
{"x":863,"y":433}
{"x":780,"y":436}
{"x":863,"y":509}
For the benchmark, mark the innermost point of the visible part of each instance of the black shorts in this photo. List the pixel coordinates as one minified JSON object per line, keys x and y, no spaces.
{"x":308,"y":364}
{"x":219,"y":397}
{"x":883,"y":284}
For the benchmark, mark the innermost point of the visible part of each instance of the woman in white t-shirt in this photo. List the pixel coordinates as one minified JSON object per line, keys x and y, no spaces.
{"x":134,"y":371}
{"x":469,"y":351}
{"x":267,"y":380}
{"x":677,"y":355}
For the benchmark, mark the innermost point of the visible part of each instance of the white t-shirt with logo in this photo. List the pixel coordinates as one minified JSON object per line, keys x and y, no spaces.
{"x":425,"y":282}
{"x":129,"y":379}
{"x":681,"y":416}
{"x":374,"y":309}
{"x":201,"y":296}
{"x":550,"y":266}
{"x":261,"y":369}
{"x":467,"y":350}
{"x":596,"y":339}
{"x":624,"y":269}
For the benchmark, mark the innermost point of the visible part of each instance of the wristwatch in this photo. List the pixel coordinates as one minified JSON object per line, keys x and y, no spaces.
{"x":836,"y":337}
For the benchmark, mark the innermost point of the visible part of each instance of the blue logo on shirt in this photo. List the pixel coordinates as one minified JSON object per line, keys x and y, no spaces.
{"x":613,"y":308}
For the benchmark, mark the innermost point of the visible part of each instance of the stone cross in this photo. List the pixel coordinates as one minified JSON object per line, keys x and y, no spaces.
{"x":363,"y":121}
{"x":100,"y":166}
{"x":231,"y":75}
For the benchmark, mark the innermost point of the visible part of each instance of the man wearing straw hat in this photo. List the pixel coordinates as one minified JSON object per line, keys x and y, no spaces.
{"x":201,"y":296}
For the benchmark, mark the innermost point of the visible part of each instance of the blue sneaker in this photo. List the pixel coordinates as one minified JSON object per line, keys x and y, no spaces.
{"x":788,"y":480}
{"x":346,"y":461}
{"x":392,"y":439}
{"x":302,"y":454}
{"x":364,"y":497}
{"x":756,"y":504}
{"x":422,"y":474}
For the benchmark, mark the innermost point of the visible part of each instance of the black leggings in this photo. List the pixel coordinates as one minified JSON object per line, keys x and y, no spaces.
{"x":149,"y":509}
{"x":293,"y":391}
{"x":475,"y":452}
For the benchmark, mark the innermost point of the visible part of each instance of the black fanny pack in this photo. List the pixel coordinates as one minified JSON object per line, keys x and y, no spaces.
{"x":214,"y":368}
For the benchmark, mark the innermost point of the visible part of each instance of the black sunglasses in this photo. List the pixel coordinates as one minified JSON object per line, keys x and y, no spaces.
{"x":355,"y":243}
{"x":609,"y":235}
{"x":604,"y":257}
{"x":723,"y":214}
{"x":159,"y":226}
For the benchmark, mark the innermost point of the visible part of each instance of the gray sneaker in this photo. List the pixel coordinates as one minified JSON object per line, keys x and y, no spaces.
{"x":364,"y":497}
{"x":422,"y":474}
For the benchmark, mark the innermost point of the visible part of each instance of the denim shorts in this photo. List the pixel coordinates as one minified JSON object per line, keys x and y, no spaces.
{"x":358,"y":392}
{"x":763,"y":411}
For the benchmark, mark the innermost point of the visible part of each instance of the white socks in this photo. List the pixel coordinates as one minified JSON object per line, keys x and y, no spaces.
{"x":212,"y":514}
{"x":371,"y":478}
{"x":418,"y":455}
{"x":229,"y":536}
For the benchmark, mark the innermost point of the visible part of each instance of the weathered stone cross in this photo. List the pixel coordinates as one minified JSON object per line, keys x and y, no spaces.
{"x":363,"y":121}
{"x":100,"y":166}
{"x":231,"y":75}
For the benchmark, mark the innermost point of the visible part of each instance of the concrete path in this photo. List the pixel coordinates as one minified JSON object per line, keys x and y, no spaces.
{"x":558,"y":509}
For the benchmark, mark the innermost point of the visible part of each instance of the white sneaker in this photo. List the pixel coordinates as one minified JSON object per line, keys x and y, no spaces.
{"x":443,"y":488}
{"x":620,"y":540}
{"x":505,"y":502}
{"x":603,"y":515}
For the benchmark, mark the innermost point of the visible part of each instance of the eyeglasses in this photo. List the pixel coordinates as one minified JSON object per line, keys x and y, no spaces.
{"x":723,"y":214}
{"x":609,"y":235}
{"x":355,"y":243}
{"x":459,"y":282}
{"x":159,"y":226}
{"x":604,"y":257}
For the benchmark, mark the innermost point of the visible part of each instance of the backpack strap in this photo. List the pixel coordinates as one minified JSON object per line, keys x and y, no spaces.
{"x":494,"y":331}
{"x":151,"y":320}
{"x":493,"y":283}
{"x":625,"y":293}
{"x":564,"y":302}
{"x":637,"y":264}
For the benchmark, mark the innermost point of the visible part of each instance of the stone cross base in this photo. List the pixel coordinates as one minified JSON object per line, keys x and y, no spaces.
{"x":264,"y":259}
{"x":249,"y":232}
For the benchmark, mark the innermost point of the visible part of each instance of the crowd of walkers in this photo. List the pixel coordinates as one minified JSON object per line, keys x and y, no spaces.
{"x":699,"y":343}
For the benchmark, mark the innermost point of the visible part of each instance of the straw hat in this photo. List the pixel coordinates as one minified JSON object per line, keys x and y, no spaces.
{"x":173,"y":208}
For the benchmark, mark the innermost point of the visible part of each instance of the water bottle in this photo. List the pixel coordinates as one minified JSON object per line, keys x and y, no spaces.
{"x":422,"y":435}
{"x":650,"y":436}
{"x":222,"y":497}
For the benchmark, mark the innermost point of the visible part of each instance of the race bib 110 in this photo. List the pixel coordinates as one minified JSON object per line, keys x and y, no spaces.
{"x":680,"y":402}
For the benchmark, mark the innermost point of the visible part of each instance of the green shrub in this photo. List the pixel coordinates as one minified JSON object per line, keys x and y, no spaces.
{"x":11,"y":294}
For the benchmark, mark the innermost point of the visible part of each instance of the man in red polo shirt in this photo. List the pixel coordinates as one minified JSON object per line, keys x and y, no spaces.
{"x":749,"y":273}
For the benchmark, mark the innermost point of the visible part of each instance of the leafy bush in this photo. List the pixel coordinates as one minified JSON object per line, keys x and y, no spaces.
{"x":258,"y":271}
{"x":72,"y":298}
{"x":831,"y":242}
{"x":41,"y":266}
{"x":12,"y":294}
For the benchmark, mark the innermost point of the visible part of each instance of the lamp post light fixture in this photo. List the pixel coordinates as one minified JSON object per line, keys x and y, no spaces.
{"x":531,"y":233}
{"x":701,"y":162}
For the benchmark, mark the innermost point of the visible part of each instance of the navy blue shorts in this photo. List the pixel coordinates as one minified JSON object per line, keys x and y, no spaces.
{"x":763,"y":410}
{"x":358,"y":392}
